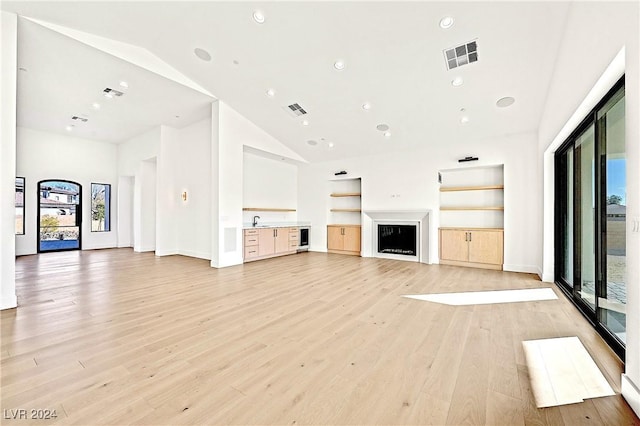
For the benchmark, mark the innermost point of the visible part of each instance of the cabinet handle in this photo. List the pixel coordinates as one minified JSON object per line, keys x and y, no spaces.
{"x":466,"y":236}
{"x":342,"y":233}
{"x":469,"y":236}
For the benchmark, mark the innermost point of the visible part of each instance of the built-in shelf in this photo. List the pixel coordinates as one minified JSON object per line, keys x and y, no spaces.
{"x":473,"y":208}
{"x":266,"y":209}
{"x":346,"y":194}
{"x":471,"y":188}
{"x":347,"y":210}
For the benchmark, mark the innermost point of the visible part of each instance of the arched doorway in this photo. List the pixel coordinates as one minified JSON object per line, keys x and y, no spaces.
{"x":59,"y":215}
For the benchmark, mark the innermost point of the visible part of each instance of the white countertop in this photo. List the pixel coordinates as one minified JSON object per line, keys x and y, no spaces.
{"x":276,"y":225}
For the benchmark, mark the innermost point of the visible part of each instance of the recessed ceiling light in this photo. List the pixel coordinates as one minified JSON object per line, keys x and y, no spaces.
{"x":202,"y":54}
{"x":69,"y":128}
{"x":305,"y":123}
{"x":95,"y":105}
{"x":339,"y":65}
{"x":463,"y":109}
{"x":258,"y":17}
{"x":235,"y":62}
{"x":366,"y":106}
{"x":446,"y":22}
{"x":382,"y":127}
{"x":505,"y":102}
{"x":271,"y":93}
{"x":312,"y":142}
{"x":331,"y":145}
{"x":456,"y":82}
{"x":108,"y":95}
{"x":387,"y":134}
{"x":464,"y":120}
{"x":124,"y":84}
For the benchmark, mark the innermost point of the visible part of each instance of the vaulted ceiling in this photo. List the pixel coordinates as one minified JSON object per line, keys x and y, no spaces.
{"x":392,"y":53}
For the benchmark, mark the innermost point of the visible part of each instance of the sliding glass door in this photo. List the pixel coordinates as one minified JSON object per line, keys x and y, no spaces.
{"x":591,"y":218}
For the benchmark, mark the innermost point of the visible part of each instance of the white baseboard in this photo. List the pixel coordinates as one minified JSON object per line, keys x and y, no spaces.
{"x":9,"y":302}
{"x":98,"y":247}
{"x":144,"y":249}
{"x":196,"y":254}
{"x":548,"y":278}
{"x":631,"y":394}
{"x":527,"y":269}
{"x":125,"y":245}
{"x":166,"y":252}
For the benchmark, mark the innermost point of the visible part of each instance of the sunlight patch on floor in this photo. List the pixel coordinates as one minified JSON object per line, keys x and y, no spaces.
{"x":487,"y":297}
{"x":562,"y":372}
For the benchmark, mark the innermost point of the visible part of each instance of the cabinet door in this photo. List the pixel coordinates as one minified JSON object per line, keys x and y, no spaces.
{"x":335,"y":239}
{"x":351,"y":236}
{"x":266,"y":242}
{"x":485,"y":247}
{"x":282,"y":240}
{"x":453,"y":245}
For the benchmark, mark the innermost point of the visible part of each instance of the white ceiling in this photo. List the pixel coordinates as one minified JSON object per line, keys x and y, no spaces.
{"x":392,"y":50}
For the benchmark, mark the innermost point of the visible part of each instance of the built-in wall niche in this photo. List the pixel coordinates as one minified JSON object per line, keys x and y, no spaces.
{"x":472,"y":197}
{"x":345,"y":204}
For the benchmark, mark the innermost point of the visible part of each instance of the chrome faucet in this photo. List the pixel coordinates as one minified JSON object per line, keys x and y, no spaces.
{"x":255,"y":220}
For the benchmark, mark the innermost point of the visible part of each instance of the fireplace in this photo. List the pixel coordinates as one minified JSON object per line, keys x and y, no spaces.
{"x":398,"y":239}
{"x":393,"y":239}
{"x":399,"y":235}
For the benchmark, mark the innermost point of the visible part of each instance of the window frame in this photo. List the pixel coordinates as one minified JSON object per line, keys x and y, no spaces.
{"x":107,"y":211}
{"x":24,"y":204}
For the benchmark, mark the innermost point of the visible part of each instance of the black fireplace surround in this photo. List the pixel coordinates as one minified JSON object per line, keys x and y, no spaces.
{"x":398,"y":239}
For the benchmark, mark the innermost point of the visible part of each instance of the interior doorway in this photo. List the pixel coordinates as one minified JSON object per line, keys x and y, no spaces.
{"x":59,"y":215}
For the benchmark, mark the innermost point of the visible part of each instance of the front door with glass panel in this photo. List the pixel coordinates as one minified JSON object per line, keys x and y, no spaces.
{"x":59,"y":215}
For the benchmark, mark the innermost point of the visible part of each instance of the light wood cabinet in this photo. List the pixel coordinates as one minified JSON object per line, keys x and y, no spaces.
{"x":474,"y":247}
{"x":343,"y":239}
{"x":264,"y":243}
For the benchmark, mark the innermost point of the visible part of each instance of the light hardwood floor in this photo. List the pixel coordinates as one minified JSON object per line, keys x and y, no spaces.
{"x":117,"y":337}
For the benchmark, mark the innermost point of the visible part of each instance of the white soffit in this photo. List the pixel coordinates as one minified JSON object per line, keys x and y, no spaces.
{"x":130,"y":53}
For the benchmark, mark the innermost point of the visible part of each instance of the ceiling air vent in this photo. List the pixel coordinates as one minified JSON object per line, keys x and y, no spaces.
{"x":461,"y":55}
{"x":295,"y":110}
{"x":113,"y":92}
{"x":75,"y":117}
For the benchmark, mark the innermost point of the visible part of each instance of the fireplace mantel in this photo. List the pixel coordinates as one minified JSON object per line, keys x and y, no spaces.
{"x":391,"y":216}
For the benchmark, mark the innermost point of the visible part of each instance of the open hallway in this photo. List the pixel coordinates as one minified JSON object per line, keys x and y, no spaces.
{"x":117,"y":337}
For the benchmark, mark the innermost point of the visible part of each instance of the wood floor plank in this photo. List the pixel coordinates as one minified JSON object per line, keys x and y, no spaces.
{"x":116,"y":337}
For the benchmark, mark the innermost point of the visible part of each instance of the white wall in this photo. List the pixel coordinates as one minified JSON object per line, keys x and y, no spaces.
{"x":125,"y":210}
{"x":144,"y":207}
{"x":188,"y":154}
{"x":409,"y":181}
{"x":137,"y":149}
{"x":131,"y":157}
{"x":8,"y":160}
{"x":584,"y":57}
{"x":269,"y":183}
{"x":42,"y":156}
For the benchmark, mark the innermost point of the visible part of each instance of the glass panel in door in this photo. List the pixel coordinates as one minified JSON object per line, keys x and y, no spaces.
{"x":59,"y":215}
{"x":585,"y":187}
{"x":565,"y":171}
{"x":612,"y":299}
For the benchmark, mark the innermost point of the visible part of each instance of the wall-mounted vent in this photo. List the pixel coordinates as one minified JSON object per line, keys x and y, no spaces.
{"x":461,"y":55}
{"x":113,"y":92}
{"x":295,"y":110}
{"x":75,"y":117}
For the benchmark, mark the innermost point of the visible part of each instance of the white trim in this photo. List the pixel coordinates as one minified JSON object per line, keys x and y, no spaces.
{"x":526,"y":269}
{"x":196,"y":254}
{"x":9,"y":302}
{"x":421,"y":216}
{"x":631,"y":393}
